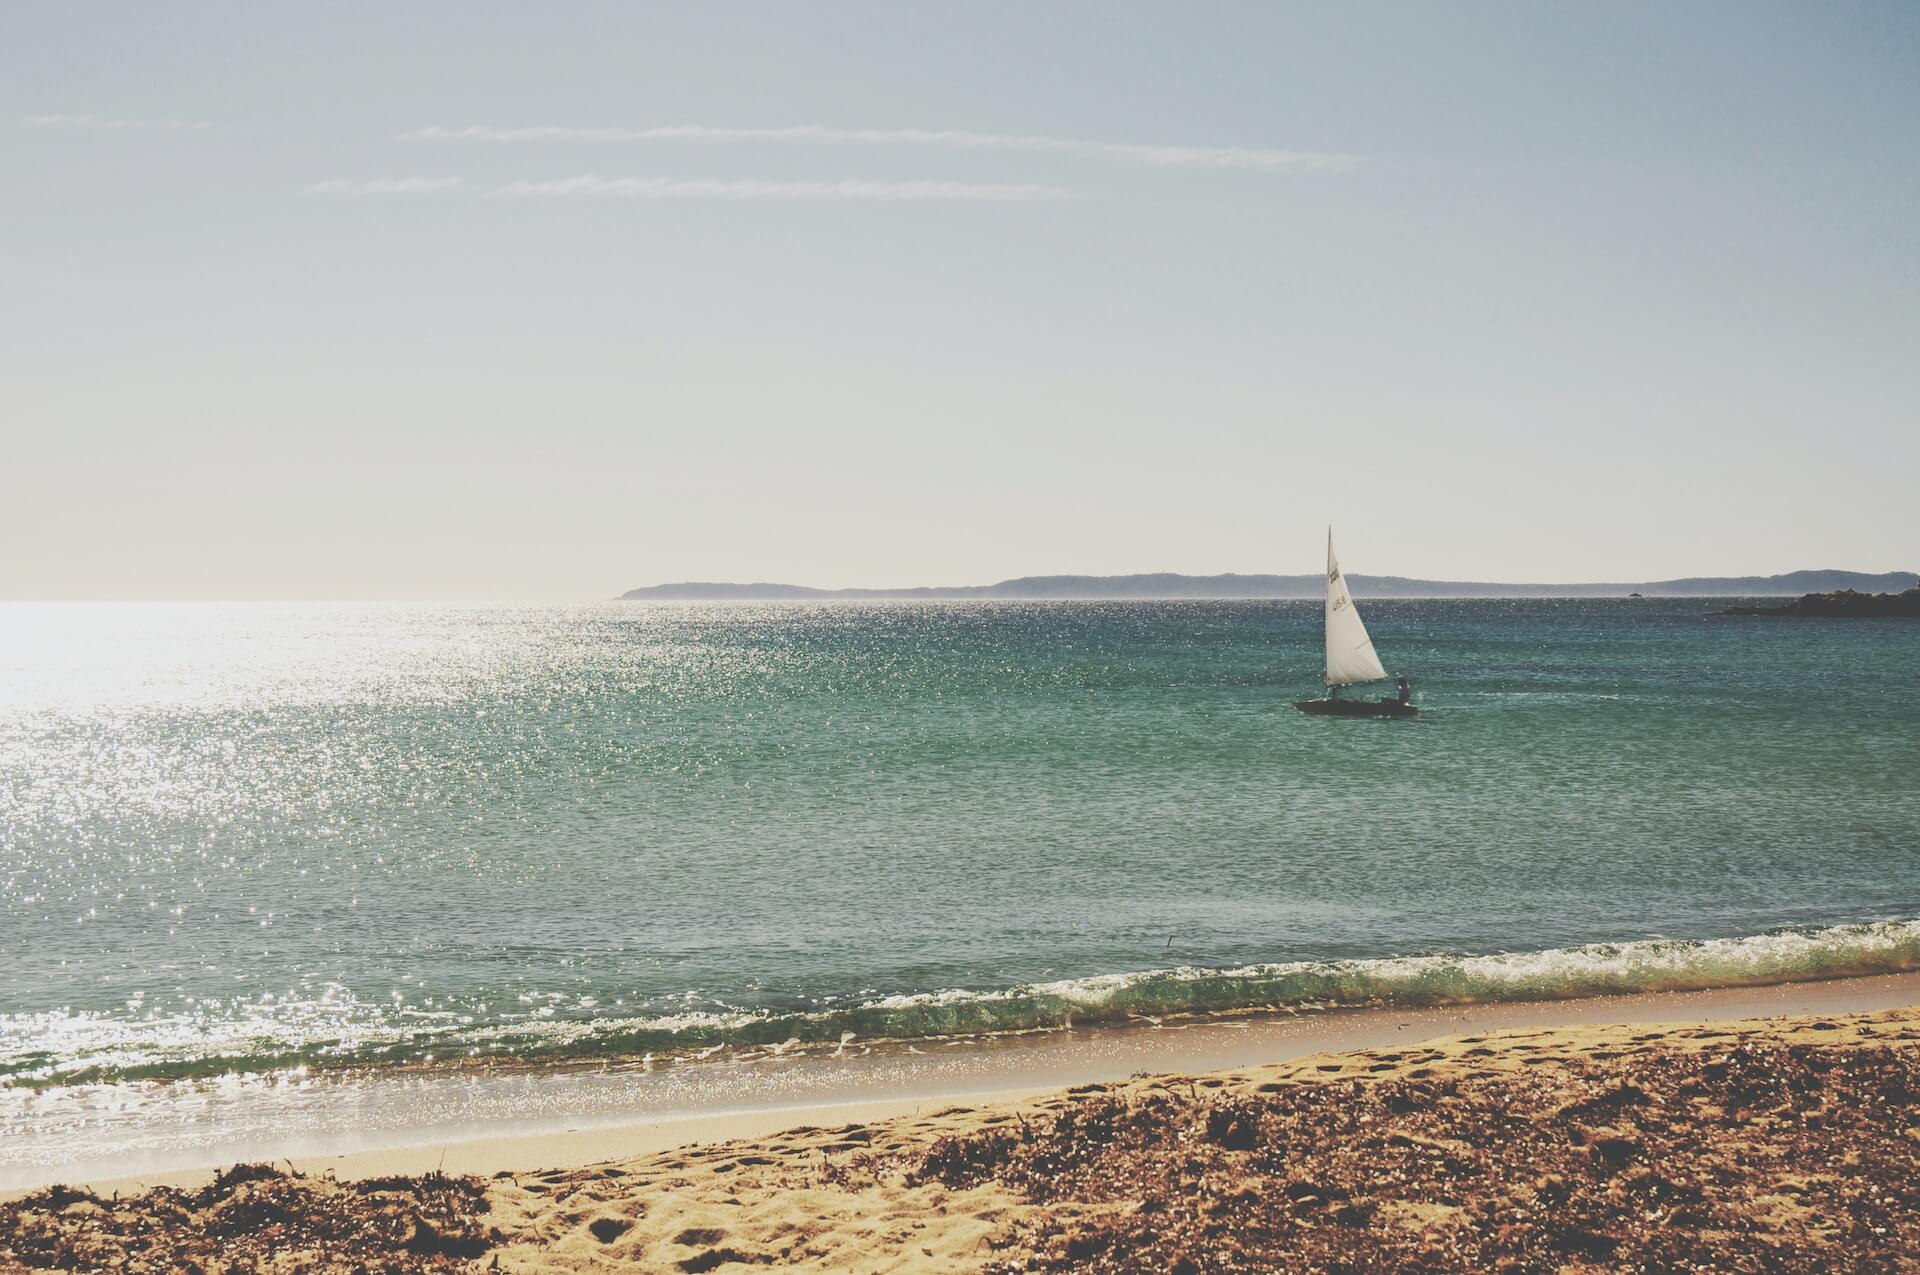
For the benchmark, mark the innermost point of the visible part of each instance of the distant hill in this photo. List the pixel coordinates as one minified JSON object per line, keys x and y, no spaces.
{"x":1166,"y":584}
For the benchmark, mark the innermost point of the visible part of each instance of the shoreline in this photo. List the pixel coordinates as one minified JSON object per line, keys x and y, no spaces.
{"x":1181,"y":992}
{"x":1783,"y":1143}
{"x":588,"y":1116}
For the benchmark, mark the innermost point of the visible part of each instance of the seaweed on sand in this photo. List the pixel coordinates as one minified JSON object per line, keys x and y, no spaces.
{"x":253,"y":1216}
{"x":1760,"y":1158}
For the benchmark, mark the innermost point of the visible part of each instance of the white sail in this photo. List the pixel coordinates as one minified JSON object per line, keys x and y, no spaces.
{"x":1350,"y":654}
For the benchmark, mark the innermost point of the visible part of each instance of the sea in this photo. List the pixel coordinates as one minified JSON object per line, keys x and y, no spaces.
{"x":247,"y":846}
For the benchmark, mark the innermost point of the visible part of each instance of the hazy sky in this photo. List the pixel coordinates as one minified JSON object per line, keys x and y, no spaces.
{"x":527,"y":301}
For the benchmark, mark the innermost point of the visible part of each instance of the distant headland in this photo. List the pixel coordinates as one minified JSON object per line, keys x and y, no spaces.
{"x":1844,"y":604}
{"x":1165,"y":584}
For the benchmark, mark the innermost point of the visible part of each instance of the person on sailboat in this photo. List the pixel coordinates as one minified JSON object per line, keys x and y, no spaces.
{"x":1406,"y":688}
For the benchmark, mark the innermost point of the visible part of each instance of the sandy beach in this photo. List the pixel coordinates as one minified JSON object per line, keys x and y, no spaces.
{"x":1772,"y":1128}
{"x":609,"y":1111}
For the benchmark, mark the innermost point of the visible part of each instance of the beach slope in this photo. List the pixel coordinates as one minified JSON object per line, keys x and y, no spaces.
{"x":1776,"y":1144}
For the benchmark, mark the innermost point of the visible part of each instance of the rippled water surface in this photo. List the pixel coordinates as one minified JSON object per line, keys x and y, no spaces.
{"x":240,"y":837}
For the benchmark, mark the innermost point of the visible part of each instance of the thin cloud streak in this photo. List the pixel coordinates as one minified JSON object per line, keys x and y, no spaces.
{"x":1244,"y":158}
{"x":868,"y":191}
{"x":102,"y":123}
{"x":383,"y":186}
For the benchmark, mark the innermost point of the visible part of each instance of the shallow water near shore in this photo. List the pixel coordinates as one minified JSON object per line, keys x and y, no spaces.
{"x":248,"y":838}
{"x":504,"y":1117}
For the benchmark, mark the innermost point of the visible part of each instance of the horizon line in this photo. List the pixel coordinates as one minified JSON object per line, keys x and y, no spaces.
{"x":908,"y":592}
{"x":744,"y":590}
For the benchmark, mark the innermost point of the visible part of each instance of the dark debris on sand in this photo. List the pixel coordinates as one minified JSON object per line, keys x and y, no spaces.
{"x":1764,"y":1157}
{"x":253,"y":1217}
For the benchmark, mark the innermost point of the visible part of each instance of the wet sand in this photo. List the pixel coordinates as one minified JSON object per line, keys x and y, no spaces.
{"x":1658,"y":1129}
{"x":1771,"y":1144}
{"x":720,"y":1101}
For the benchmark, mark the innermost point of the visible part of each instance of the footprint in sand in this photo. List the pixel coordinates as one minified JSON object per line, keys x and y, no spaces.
{"x":609,"y":1229}
{"x":716,"y":1257}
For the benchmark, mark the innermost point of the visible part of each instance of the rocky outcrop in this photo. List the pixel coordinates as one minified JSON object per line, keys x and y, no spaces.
{"x":1845,"y":604}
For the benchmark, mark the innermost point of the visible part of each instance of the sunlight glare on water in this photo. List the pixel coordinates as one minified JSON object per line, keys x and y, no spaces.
{"x":256,"y":835}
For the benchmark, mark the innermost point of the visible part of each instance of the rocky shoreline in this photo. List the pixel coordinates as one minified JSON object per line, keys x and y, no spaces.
{"x":1845,"y":604}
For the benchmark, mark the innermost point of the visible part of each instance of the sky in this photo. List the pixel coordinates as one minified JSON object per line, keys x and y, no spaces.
{"x":505,"y":301}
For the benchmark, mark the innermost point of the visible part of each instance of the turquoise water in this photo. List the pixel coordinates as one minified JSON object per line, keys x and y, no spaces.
{"x":253,"y":836}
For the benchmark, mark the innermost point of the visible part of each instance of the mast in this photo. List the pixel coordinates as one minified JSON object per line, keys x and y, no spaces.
{"x":1350,"y":654}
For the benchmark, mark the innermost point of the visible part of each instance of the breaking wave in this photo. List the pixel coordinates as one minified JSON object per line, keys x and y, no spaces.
{"x":70,"y":1048}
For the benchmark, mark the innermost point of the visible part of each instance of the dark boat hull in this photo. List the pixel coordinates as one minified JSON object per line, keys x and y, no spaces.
{"x":1385,"y":708}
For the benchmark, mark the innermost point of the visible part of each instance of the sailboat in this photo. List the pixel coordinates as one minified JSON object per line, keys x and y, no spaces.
{"x":1351,"y":658}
